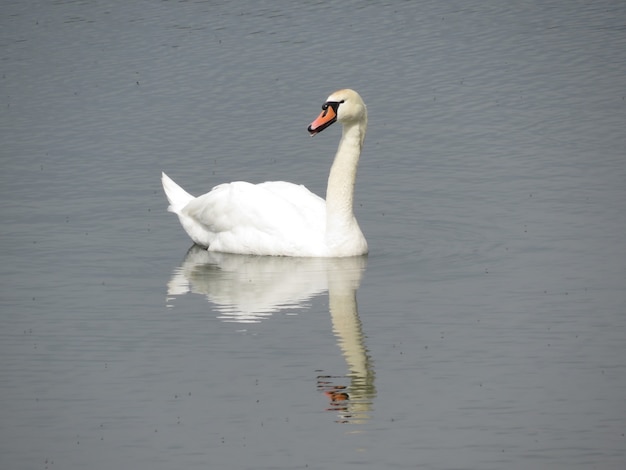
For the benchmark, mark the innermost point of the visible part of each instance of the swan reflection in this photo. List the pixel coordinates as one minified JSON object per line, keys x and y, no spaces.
{"x":247,"y":289}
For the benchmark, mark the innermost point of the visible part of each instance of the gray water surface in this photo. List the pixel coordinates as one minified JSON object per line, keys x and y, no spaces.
{"x":485,"y":330}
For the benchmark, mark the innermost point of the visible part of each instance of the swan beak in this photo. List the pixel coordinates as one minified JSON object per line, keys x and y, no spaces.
{"x":325,"y":119}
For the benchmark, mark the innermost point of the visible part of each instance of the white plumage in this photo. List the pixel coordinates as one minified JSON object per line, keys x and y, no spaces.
{"x":279,"y":218}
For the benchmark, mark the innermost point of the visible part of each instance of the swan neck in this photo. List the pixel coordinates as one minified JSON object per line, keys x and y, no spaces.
{"x":340,"y":190}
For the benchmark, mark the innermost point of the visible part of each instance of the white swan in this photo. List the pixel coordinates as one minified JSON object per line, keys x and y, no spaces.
{"x":284,"y":219}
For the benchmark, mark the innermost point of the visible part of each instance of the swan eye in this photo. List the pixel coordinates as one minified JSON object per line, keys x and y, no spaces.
{"x":332,"y":104}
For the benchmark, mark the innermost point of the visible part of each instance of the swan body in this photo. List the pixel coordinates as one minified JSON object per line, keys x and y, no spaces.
{"x":277,"y":218}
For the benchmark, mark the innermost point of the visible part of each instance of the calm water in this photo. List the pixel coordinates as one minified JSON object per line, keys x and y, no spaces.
{"x":487,"y":327}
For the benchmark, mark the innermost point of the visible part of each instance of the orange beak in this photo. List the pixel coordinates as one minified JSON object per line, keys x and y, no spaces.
{"x":325,"y":119}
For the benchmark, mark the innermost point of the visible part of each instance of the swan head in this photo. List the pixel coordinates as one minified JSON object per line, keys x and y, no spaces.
{"x":344,"y":106}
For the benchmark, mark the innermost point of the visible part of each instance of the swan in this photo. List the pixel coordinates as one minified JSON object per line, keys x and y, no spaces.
{"x":278,"y":218}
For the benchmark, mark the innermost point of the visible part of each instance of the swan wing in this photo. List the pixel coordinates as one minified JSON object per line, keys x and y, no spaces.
{"x":272,"y":218}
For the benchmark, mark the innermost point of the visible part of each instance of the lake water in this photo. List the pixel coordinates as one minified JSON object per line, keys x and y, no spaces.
{"x":485,"y":330}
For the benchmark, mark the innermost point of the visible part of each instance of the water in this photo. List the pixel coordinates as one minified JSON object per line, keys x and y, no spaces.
{"x":485,"y":330}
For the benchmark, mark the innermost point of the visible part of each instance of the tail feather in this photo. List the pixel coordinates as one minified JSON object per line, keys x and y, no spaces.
{"x":177,"y":196}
